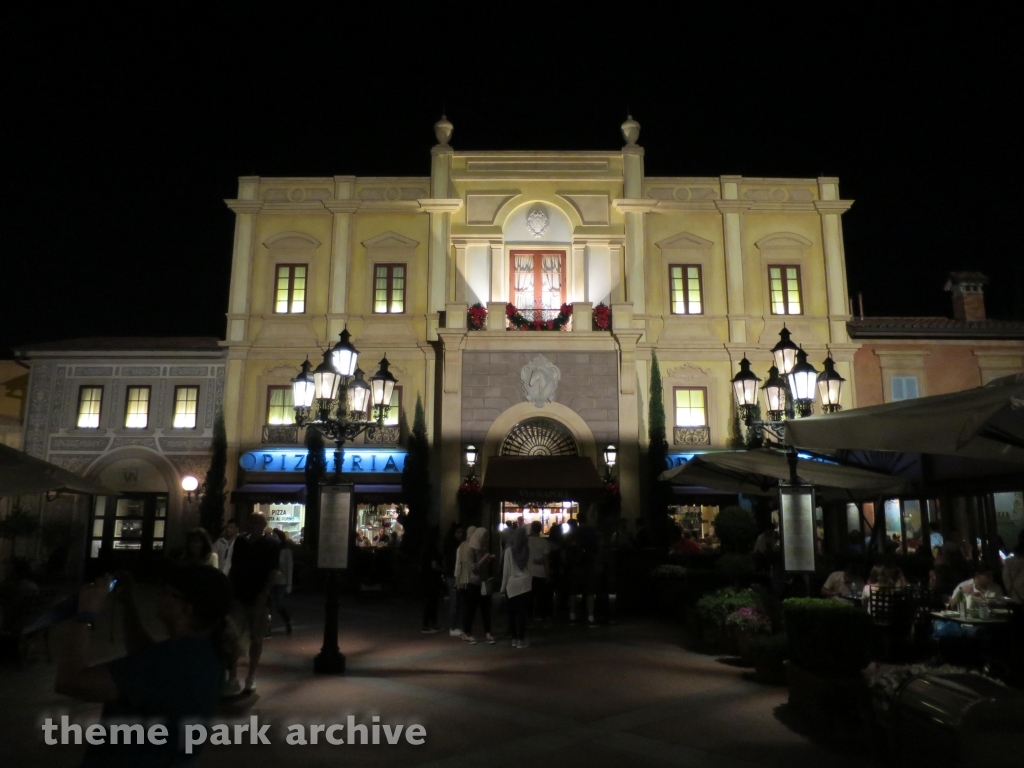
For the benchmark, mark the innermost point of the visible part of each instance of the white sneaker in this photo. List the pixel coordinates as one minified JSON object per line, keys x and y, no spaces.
{"x":515,"y":643}
{"x":454,"y":633}
{"x":231,"y":687}
{"x":250,"y":684}
{"x":523,"y":644}
{"x":469,"y":639}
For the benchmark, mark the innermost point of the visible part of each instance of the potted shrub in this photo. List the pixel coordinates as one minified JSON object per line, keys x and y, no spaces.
{"x":746,"y":624}
{"x":714,"y":609}
{"x":829,"y":645}
{"x":769,"y":654}
{"x":736,"y":529}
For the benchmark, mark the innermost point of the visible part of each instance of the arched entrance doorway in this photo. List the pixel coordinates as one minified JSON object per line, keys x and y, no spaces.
{"x":142,"y":520}
{"x":539,"y":475}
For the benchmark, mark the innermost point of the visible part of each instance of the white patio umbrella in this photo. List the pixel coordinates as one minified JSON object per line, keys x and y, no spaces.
{"x":983,"y":423}
{"x":21,"y":474}
{"x":758,"y":472}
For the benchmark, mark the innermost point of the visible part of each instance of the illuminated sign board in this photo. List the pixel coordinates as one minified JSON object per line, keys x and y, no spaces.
{"x":674,"y":460}
{"x":294,"y":460}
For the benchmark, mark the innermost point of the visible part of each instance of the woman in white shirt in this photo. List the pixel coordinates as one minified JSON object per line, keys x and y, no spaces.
{"x":517,"y":583}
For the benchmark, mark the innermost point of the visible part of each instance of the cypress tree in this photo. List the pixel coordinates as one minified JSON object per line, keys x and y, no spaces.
{"x":211,"y":508}
{"x":657,"y":452}
{"x":416,"y":481}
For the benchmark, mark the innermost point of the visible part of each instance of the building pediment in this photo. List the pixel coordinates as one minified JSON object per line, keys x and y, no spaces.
{"x":390,"y":240}
{"x":684,"y":241}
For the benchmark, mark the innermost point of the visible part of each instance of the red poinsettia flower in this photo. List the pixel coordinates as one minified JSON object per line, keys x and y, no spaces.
{"x":510,"y":310}
{"x":566,"y":309}
{"x":550,"y":325}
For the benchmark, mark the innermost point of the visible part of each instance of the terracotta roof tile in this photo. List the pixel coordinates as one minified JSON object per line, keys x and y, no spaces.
{"x":935,"y":327}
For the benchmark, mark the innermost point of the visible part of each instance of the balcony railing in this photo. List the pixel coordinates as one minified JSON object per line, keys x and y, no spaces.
{"x":281,"y":434}
{"x":383,"y":435}
{"x":539,"y":319}
{"x":692,"y":436}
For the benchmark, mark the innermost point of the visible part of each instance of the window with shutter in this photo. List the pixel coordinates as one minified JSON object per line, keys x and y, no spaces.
{"x":904,"y":388}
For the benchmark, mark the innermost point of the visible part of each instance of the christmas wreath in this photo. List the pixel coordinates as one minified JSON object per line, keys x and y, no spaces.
{"x":521,"y":323}
{"x":602,"y":317}
{"x":476,"y":317}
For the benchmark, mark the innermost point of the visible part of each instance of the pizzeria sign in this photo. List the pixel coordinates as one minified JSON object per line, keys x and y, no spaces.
{"x":290,"y":460}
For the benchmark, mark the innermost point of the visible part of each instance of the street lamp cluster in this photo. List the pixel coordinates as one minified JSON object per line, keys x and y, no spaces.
{"x":790,"y":388}
{"x":333,"y":398}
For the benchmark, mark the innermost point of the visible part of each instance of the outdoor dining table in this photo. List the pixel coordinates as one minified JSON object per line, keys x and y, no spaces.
{"x":955,"y":616}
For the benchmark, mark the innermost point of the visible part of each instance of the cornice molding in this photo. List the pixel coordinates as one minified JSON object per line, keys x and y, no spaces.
{"x":244,"y":206}
{"x":440,"y":205}
{"x":642,"y":205}
{"x":342,"y":206}
{"x":733,"y":206}
{"x":833,"y":206}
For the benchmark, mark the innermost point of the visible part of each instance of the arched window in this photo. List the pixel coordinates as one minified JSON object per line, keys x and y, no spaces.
{"x":539,"y":437}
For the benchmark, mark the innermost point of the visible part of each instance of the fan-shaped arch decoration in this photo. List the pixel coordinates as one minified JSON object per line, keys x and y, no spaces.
{"x":539,"y":437}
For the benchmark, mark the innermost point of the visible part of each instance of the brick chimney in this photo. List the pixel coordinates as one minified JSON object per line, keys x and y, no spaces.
{"x":968,"y":295}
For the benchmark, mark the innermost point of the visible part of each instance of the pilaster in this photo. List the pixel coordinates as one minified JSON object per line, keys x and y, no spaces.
{"x":629,"y":415}
{"x":341,"y":238}
{"x":732,"y":238}
{"x":240,"y":298}
{"x":499,"y":272}
{"x":453,"y":341}
{"x":835,"y":263}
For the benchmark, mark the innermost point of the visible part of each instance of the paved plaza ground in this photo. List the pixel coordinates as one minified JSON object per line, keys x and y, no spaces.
{"x":611,"y":696}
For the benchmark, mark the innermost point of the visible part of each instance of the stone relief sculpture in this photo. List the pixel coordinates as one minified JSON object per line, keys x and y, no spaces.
{"x":537,"y":221}
{"x":540,"y":379}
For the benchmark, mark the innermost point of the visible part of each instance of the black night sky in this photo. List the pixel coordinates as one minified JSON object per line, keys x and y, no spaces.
{"x":125,"y":132}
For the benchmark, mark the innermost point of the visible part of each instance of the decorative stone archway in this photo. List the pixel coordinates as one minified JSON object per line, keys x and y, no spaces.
{"x":153,"y":473}
{"x":564,"y":416}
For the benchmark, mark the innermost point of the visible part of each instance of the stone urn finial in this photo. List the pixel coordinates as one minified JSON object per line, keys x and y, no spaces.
{"x":443,"y":131}
{"x":630,"y":131}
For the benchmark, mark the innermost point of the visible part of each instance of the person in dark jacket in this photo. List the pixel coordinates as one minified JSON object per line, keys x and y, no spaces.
{"x":449,"y":555}
{"x":431,"y":575}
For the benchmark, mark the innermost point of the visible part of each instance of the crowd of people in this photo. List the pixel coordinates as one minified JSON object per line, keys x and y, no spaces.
{"x":215,"y":603}
{"x":537,"y":576}
{"x":951,"y":575}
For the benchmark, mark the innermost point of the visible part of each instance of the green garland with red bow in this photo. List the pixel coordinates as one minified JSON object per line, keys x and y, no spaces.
{"x":521,"y":323}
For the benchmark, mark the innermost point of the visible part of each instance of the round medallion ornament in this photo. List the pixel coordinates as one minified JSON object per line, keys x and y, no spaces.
{"x":539,"y":437}
{"x":537,"y":221}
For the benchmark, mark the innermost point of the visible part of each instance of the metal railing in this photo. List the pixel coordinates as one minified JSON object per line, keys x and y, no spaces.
{"x":281,"y":434}
{"x":691,"y":435}
{"x":383,"y":435}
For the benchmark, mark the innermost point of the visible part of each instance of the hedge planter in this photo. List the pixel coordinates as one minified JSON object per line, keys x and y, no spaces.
{"x":835,"y":704}
{"x":769,"y":670}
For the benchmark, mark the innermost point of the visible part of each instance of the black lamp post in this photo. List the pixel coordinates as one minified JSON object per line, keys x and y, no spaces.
{"x":788,"y":391}
{"x":471,"y":457}
{"x":830,"y":386}
{"x":802,"y":379}
{"x":333,"y":401}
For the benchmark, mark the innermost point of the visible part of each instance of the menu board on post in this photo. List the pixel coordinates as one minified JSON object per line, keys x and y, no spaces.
{"x":335,"y":524}
{"x":796,"y":527}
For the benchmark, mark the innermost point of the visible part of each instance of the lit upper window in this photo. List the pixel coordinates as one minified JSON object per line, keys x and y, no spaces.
{"x":290,"y":289}
{"x":137,"y":408}
{"x":89,"y":401}
{"x":691,"y":408}
{"x":904,"y":388}
{"x":784,"y":283}
{"x":389,"y":288}
{"x":538,"y":280}
{"x":280,"y":408}
{"x":185,"y":401}
{"x":684,"y":283}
